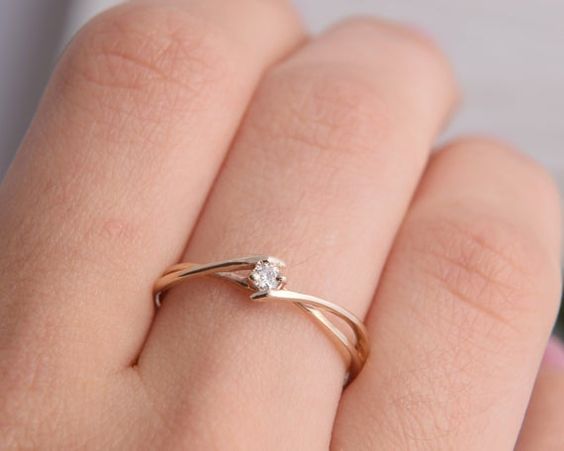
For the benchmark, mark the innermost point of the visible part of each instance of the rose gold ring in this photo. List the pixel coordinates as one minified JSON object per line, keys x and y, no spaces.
{"x":263,"y":276}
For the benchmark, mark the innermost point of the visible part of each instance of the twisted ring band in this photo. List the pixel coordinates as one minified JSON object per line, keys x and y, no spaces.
{"x":264,"y":278}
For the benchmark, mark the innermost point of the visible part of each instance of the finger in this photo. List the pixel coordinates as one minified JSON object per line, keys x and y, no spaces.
{"x":463,"y":309}
{"x":331,"y":148}
{"x":111,"y":176}
{"x":542,"y":428}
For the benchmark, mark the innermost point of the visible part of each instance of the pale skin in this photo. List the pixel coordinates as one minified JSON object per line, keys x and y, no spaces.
{"x":202,"y":130}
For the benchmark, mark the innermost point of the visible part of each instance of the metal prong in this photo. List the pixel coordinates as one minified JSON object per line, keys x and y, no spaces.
{"x":282,"y":281}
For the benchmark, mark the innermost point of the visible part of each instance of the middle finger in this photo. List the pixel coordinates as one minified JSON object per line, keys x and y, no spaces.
{"x":330,"y":152}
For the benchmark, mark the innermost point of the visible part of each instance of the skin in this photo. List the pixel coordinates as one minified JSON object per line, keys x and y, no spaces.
{"x":202,"y":130}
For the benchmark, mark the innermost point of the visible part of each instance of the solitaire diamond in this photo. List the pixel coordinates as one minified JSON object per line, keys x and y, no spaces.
{"x":265,"y":276}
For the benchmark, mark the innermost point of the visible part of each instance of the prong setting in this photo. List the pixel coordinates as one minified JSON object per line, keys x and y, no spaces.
{"x":266,"y":275}
{"x":283,"y":280}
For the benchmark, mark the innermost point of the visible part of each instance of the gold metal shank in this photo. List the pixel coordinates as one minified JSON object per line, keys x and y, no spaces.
{"x":353,"y":346}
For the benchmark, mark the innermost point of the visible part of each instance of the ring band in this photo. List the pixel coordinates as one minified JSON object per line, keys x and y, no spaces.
{"x":264,"y":278}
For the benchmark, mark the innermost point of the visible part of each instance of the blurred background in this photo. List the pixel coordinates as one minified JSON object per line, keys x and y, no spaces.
{"x":508,"y":55}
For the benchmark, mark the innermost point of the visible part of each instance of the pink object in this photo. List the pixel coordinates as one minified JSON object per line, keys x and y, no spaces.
{"x":554,"y":354}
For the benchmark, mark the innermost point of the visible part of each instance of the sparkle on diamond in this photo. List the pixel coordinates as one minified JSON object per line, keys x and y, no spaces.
{"x":265,"y":276}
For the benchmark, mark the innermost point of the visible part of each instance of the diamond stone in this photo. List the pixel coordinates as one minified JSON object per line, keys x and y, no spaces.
{"x":265,"y":276}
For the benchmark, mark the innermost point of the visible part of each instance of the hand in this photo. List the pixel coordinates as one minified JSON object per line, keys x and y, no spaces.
{"x":142,"y":145}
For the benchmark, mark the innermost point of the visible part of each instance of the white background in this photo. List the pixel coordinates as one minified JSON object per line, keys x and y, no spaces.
{"x":508,"y":54}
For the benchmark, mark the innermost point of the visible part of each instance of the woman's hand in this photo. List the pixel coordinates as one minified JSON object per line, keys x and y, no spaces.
{"x":142,"y":145}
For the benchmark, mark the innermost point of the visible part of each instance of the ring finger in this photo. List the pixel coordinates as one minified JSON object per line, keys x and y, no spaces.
{"x":320,"y":175}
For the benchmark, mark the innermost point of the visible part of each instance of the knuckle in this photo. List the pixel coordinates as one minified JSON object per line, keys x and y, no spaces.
{"x":536,"y":177}
{"x":330,"y":110}
{"x":130,"y":56}
{"x":488,"y":264}
{"x":408,"y":44}
{"x":417,"y":43}
{"x":411,"y":34}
